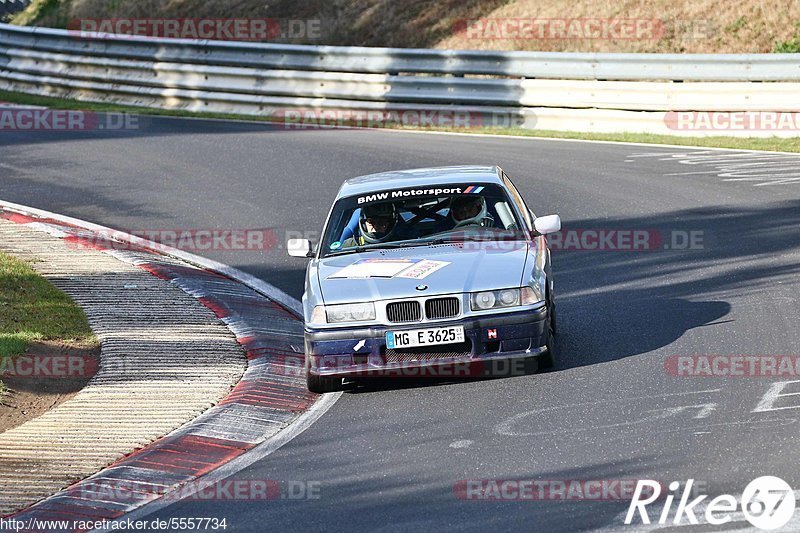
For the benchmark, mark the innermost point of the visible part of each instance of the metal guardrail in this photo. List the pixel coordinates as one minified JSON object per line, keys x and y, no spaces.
{"x":257,"y":78}
{"x":552,"y":65}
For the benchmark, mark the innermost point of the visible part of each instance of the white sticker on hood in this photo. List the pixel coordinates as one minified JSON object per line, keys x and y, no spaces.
{"x":389,"y":268}
{"x":374,"y":268}
{"x":422,"y":269}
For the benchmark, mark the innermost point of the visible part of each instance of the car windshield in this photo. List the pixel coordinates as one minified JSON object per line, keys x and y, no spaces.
{"x":419,"y":217}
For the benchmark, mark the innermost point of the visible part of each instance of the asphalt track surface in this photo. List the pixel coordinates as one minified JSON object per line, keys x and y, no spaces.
{"x":387,"y":456}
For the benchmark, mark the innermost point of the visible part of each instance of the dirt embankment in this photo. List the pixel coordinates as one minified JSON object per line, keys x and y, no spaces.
{"x":47,"y":375}
{"x":700,"y":26}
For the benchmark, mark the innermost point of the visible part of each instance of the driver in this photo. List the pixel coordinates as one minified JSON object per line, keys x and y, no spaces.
{"x":376,"y":223}
{"x":469,"y":211}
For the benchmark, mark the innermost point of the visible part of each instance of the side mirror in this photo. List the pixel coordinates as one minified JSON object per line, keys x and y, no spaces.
{"x":299,"y":248}
{"x":547,"y":224}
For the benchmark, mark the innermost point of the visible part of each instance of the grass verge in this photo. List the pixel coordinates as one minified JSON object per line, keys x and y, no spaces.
{"x":33,"y":310}
{"x":776,"y":144}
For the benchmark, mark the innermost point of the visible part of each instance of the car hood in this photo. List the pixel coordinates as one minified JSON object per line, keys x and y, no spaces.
{"x":444,"y":269}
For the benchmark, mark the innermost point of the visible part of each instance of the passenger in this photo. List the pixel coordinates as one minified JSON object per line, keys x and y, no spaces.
{"x":469,"y":211}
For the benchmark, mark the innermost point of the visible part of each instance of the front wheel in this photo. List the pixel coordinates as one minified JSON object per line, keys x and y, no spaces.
{"x":321,"y":384}
{"x":548,"y":359}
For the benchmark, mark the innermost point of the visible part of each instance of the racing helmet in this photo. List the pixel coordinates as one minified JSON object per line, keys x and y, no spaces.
{"x":461,"y":203}
{"x":386,"y":212}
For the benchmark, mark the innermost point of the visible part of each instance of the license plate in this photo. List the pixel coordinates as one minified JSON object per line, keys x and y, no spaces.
{"x":424,"y":337}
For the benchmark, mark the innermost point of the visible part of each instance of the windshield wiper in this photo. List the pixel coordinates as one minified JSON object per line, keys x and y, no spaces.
{"x":365,"y":248}
{"x":393,"y":245}
{"x":430,"y":242}
{"x":414,"y":244}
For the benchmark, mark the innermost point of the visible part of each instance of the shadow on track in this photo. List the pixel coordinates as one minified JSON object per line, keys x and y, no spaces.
{"x":616,"y":304}
{"x":397,"y":504}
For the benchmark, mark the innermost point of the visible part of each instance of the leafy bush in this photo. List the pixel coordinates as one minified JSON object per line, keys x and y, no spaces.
{"x":792,"y":46}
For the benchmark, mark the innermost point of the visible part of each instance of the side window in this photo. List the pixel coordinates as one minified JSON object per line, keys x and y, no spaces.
{"x":526,"y":214}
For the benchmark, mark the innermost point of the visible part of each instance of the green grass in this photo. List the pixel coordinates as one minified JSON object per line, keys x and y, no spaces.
{"x":736,"y":25}
{"x":33,"y":310}
{"x":777,"y":144}
{"x":791,"y":46}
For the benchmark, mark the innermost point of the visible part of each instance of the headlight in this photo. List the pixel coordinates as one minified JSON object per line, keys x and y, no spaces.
{"x":350,"y":312}
{"x":508,"y":297}
{"x":482,"y":301}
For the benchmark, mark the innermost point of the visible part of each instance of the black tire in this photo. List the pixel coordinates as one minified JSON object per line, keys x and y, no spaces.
{"x":548,"y":359}
{"x":323,"y":384}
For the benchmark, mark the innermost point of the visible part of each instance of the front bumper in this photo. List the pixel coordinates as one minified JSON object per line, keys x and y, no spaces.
{"x":491,"y":343}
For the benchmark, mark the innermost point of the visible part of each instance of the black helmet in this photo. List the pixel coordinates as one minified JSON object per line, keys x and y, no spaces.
{"x":378,"y":211}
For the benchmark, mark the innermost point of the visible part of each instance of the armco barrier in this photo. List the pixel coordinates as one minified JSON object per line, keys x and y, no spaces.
{"x":544,"y":90}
